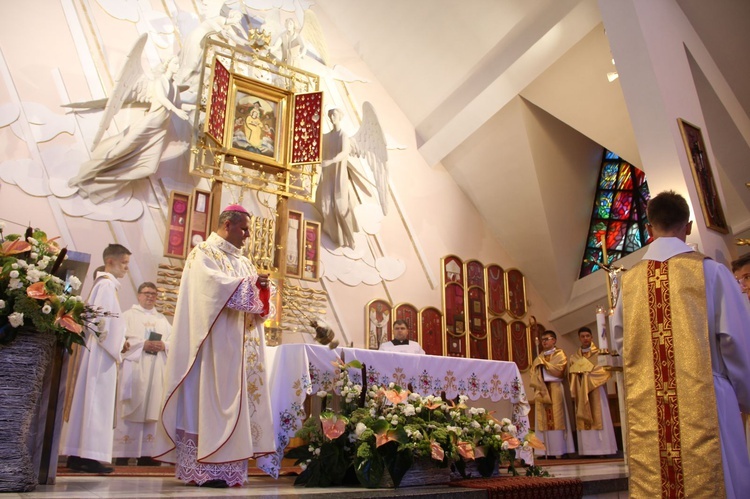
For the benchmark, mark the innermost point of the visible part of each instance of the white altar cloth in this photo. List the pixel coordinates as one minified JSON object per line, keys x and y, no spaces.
{"x":299,"y":370}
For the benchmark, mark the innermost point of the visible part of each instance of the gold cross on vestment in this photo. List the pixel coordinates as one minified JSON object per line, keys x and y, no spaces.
{"x":659,"y":277}
{"x":668,"y":452}
{"x":661,"y":334}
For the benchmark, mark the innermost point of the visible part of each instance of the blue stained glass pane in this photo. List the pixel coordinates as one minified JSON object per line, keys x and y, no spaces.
{"x":604,"y":204}
{"x":609,"y":176}
{"x":633,"y":240}
{"x":610,"y":155}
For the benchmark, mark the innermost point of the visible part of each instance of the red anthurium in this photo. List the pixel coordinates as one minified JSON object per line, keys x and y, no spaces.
{"x":437,"y":453}
{"x":385,"y":436}
{"x":15,"y":247}
{"x":466,"y":450}
{"x":37,"y":291}
{"x":68,"y":322}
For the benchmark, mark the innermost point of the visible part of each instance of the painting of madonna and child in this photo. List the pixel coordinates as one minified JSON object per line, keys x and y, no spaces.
{"x":255,"y":124}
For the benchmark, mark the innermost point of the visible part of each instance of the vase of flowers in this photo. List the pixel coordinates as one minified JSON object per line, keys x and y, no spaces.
{"x":388,"y":436}
{"x":37,"y":310}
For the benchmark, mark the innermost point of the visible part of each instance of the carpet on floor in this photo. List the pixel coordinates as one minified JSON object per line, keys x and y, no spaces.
{"x":525,"y":487}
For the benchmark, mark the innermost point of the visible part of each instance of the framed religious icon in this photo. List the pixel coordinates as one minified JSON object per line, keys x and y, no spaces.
{"x":216,"y":110}
{"x":259,"y":116}
{"x":703,"y":177}
{"x":294,"y":244}
{"x":175,"y":244}
{"x":199,"y":218}
{"x":311,"y":251}
{"x":378,"y":323}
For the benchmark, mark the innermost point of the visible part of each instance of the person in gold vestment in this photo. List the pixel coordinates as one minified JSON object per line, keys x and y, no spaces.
{"x":588,"y":387}
{"x":684,"y":331}
{"x":552,"y":420}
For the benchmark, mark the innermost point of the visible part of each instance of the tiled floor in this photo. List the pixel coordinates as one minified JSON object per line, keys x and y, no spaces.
{"x":86,"y":487}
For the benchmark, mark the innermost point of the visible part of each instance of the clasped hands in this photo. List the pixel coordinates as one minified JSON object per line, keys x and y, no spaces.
{"x":153,"y":346}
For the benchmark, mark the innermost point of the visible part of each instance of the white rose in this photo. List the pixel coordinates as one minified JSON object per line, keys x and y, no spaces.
{"x":505,"y":421}
{"x":15,"y":284}
{"x":409,"y":410}
{"x":317,"y":451}
{"x":512,"y":430}
{"x":2,"y":304}
{"x":34,"y":255}
{"x":15,"y":319}
{"x":391,"y":384}
{"x":418,"y":409}
{"x":475,"y":424}
{"x":74,"y":282}
{"x":505,"y":446}
{"x":46,"y":308}
{"x":360,"y":429}
{"x":14,"y":265}
{"x":14,"y":274}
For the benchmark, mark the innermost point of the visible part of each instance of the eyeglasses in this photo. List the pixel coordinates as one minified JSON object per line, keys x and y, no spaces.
{"x":149,"y":293}
{"x":743,"y":278}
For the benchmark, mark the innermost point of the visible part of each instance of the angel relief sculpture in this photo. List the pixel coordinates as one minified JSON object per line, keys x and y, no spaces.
{"x":135,"y":152}
{"x":337,"y":197}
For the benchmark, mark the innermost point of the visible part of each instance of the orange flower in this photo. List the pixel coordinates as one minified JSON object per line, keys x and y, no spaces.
{"x":437,"y":453}
{"x":434,"y":405}
{"x":333,"y":426}
{"x":466,"y":450}
{"x":534,"y":442}
{"x":14,"y":247}
{"x":513,"y":442}
{"x":68,"y":322}
{"x":479,"y":452}
{"x":37,"y":291}
{"x":385,"y":436}
{"x":396,"y":397}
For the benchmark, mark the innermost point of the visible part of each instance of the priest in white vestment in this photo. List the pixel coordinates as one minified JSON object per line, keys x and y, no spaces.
{"x":216,"y":414}
{"x":141,"y":388}
{"x":401,"y":342}
{"x":89,"y":411}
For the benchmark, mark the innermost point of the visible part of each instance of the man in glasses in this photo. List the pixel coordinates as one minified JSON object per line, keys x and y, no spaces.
{"x":741,"y":270}
{"x":141,"y":379}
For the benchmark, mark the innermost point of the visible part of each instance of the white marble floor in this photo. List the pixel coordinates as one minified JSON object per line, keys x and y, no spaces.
{"x":88,"y":487}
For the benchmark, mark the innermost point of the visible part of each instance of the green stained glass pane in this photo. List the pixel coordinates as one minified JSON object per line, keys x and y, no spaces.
{"x":604,"y":204}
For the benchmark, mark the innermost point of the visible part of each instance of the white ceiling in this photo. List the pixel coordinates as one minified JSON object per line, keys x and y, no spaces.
{"x":457,"y":70}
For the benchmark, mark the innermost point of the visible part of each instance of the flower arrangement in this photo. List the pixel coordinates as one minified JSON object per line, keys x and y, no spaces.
{"x":386,"y":429}
{"x":32,"y":298}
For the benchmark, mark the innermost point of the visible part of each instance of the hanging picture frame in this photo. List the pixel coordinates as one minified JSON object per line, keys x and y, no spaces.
{"x":175,"y":244}
{"x":311,"y":251}
{"x":295,"y":244}
{"x":199,"y":218}
{"x":703,"y":176}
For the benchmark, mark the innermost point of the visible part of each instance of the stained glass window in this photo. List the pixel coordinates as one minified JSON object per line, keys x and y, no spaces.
{"x":619,"y":213}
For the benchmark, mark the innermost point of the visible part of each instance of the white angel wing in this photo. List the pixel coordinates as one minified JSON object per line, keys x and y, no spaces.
{"x":312,"y":32}
{"x":131,"y":85}
{"x":369,"y":143}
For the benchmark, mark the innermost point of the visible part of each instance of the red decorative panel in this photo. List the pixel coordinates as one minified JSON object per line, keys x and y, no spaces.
{"x":179,"y":211}
{"x":456,"y":346}
{"x":306,"y":131}
{"x":477,"y":320}
{"x":516,"y":293}
{"x":496,"y":289}
{"x":519,"y":345}
{"x":410,"y":314}
{"x":499,"y":340}
{"x":453,"y":270}
{"x":216,"y":115}
{"x":475,"y":274}
{"x":378,"y":323}
{"x":431,"y":332}
{"x":478,"y":348}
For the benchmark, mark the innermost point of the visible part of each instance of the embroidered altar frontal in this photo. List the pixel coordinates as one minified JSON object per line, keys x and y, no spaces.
{"x":673,"y":442}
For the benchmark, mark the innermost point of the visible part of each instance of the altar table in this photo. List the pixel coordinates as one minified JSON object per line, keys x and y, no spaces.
{"x":298,"y":370}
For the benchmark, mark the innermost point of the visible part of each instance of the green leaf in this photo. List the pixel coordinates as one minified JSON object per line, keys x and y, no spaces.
{"x":370,"y":471}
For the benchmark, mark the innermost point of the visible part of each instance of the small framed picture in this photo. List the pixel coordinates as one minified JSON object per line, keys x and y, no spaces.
{"x":199,"y":217}
{"x":311,"y":268}
{"x":175,"y":245}
{"x":703,"y":177}
{"x":295,"y":240}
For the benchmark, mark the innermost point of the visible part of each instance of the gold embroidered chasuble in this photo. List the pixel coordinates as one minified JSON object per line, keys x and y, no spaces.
{"x":586,"y":375}
{"x":673,"y":441}
{"x":548,"y":396}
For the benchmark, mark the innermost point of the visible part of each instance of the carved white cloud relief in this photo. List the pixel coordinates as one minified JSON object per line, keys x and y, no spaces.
{"x":390,"y":268}
{"x":44,"y":123}
{"x":125,"y":10}
{"x":28,"y":174}
{"x":9,"y":112}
